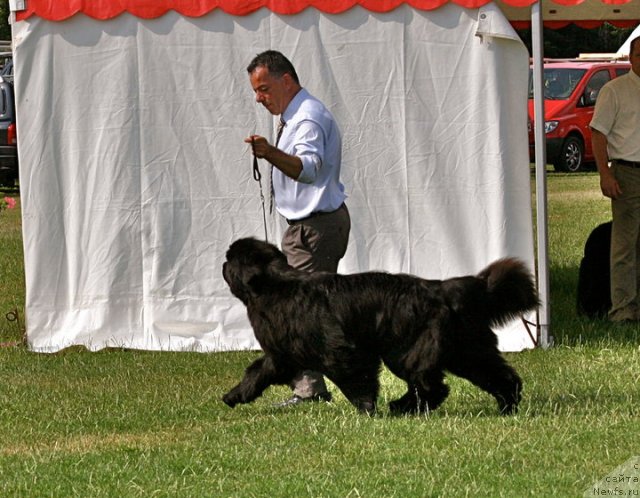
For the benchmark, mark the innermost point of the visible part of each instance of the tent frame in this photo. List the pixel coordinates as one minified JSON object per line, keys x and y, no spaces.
{"x":544,"y":321}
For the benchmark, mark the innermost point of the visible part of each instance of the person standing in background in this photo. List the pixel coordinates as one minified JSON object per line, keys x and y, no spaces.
{"x":616,"y":139}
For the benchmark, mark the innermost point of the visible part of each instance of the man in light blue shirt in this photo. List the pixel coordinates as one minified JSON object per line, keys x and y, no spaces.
{"x":306,"y":161}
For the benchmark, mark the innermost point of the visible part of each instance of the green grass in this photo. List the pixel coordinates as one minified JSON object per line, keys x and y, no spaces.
{"x":134,"y":423}
{"x":12,"y":288}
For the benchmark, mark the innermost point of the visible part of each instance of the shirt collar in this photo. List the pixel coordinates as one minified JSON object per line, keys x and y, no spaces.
{"x":293,"y":106}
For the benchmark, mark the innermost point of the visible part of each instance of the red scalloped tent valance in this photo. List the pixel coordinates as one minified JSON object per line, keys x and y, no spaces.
{"x":58,"y":10}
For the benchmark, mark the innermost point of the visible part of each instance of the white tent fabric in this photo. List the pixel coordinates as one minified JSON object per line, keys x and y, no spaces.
{"x":135,"y":177}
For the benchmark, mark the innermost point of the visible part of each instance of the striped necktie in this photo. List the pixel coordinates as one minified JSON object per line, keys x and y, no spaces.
{"x":281,"y":126}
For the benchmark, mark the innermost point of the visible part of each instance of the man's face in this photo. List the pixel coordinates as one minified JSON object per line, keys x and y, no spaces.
{"x":634,"y":58}
{"x":271,"y":91}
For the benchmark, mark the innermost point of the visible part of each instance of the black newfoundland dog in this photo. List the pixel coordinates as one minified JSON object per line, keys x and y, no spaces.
{"x":345,"y":326}
{"x":594,"y":277}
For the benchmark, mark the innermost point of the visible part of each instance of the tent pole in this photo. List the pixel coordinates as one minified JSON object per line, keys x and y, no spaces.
{"x":544,"y":340}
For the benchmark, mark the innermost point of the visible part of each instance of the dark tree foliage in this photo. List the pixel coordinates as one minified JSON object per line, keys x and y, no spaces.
{"x":5,"y":28}
{"x":572,"y":40}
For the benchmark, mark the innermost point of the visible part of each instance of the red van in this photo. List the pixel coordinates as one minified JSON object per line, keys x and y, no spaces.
{"x":570,"y":91}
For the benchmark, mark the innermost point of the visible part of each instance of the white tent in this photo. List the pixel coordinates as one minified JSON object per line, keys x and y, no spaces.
{"x":135,"y":177}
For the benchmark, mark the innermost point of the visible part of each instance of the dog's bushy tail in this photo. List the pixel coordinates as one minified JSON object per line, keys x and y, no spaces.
{"x":511,"y":290}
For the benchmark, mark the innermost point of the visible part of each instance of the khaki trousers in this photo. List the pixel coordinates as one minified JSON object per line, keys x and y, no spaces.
{"x":625,"y":245}
{"x":316,"y":244}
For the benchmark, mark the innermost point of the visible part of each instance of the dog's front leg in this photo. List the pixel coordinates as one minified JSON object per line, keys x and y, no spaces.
{"x":257,"y":377}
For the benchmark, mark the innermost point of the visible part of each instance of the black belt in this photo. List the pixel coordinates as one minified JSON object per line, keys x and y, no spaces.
{"x":631,"y":164}
{"x":314,"y":215}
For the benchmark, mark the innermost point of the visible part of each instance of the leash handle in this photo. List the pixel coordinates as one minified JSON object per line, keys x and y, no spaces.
{"x":257,"y":176}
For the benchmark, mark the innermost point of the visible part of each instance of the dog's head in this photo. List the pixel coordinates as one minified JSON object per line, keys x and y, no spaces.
{"x":250,"y":262}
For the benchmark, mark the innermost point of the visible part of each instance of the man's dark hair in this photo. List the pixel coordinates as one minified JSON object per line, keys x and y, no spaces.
{"x":275,"y":62}
{"x":633,"y":42}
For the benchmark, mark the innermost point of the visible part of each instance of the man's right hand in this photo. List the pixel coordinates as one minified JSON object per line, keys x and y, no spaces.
{"x":609,"y":185}
{"x":259,"y":145}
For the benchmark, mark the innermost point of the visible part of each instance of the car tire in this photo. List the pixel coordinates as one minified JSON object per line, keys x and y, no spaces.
{"x":6,"y":179}
{"x":571,"y":157}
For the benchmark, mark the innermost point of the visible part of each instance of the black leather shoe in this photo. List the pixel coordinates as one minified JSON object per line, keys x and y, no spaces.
{"x":297,"y":400}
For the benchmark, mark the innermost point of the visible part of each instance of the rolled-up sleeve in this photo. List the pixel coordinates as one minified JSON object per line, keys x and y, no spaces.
{"x":605,"y":111}
{"x":308,"y":145}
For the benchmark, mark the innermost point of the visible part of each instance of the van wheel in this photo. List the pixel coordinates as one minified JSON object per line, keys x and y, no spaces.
{"x":571,"y":155}
{"x":6,"y":179}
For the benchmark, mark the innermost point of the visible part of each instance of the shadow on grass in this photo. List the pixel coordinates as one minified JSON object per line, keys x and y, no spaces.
{"x":568,"y":328}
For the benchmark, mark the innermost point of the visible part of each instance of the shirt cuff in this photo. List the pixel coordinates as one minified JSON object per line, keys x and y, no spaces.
{"x":310,"y":166}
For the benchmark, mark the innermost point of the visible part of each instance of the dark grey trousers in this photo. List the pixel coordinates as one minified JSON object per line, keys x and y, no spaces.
{"x":314,"y":244}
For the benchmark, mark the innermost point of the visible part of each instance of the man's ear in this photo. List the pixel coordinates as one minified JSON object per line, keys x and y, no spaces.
{"x":288,"y":81}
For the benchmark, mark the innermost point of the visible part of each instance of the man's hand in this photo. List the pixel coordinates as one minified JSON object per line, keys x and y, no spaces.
{"x":609,"y":185}
{"x":290,"y":165}
{"x":260,"y":145}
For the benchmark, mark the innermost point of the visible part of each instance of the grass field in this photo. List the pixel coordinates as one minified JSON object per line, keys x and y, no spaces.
{"x":133,"y":423}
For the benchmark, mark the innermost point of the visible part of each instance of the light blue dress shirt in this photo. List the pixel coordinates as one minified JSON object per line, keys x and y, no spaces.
{"x":312,"y":134}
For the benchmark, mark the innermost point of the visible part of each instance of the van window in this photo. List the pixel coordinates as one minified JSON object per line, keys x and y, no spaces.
{"x":595,"y":83}
{"x":559,"y":82}
{"x":3,"y":101}
{"x":622,"y":70}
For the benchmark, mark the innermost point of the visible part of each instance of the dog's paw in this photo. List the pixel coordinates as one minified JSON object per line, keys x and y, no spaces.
{"x":230,"y":400}
{"x":402,"y":407}
{"x":366,"y":407}
{"x":508,"y":403}
{"x":508,"y":408}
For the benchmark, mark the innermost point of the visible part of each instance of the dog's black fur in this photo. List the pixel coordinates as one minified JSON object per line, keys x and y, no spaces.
{"x":594,"y":278}
{"x":345,"y":326}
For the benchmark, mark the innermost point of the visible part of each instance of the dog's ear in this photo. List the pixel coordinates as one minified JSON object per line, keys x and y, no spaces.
{"x":251,"y":266}
{"x":240,"y":278}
